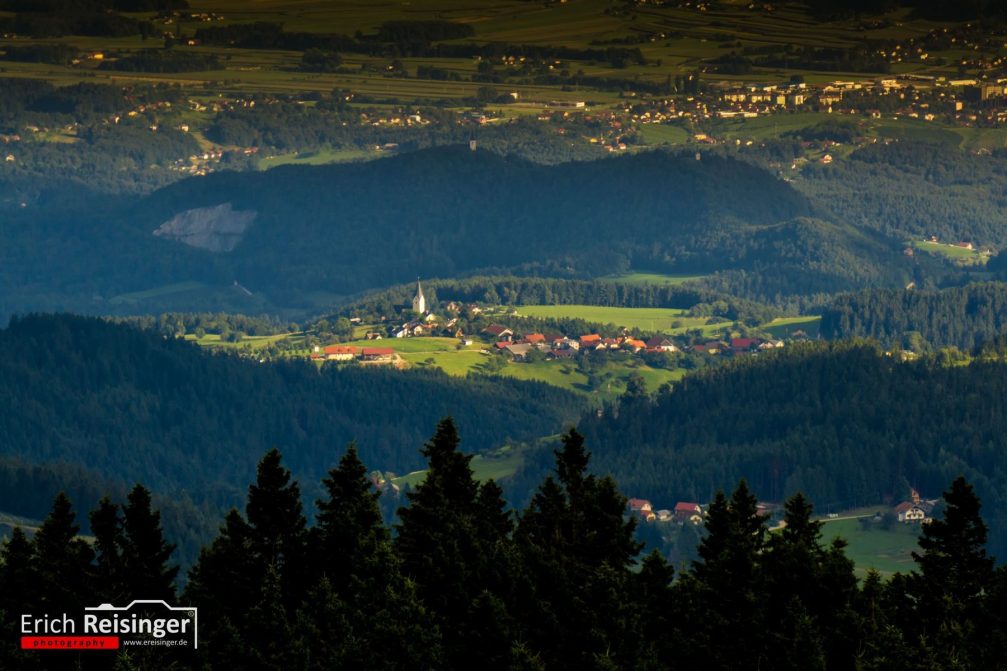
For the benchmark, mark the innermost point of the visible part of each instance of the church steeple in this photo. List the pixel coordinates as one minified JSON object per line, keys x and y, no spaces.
{"x":419,"y":300}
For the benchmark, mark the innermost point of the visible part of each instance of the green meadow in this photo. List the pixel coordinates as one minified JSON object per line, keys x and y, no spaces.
{"x":785,"y":327}
{"x":957,"y":254}
{"x":651,"y":319}
{"x":886,"y":551}
{"x":494,"y":465}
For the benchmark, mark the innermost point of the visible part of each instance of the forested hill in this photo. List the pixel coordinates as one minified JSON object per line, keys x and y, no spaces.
{"x":443,"y":211}
{"x":131,"y":406}
{"x":963,"y":317}
{"x":297,"y":237}
{"x":840,"y":422}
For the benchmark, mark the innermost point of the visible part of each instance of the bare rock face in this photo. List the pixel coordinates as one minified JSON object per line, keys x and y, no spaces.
{"x":216,"y":229}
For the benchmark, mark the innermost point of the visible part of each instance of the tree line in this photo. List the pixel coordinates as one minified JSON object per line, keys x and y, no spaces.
{"x":962,"y":317}
{"x":462,"y":582}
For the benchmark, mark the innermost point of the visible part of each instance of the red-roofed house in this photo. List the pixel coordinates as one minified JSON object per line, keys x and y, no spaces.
{"x":499,"y":332}
{"x":377,"y":354}
{"x":636,"y":505}
{"x":633,"y":344}
{"x":661,"y":344}
{"x":909,"y":512}
{"x":340,"y":352}
{"x":592,"y":339}
{"x":688,"y":512}
{"x":533,"y":338}
{"x":744,"y":344}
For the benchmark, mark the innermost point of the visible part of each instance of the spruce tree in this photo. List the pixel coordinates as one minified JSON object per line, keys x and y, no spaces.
{"x":106,"y":526}
{"x":62,"y":561}
{"x":724,"y":591}
{"x":810,"y":590}
{"x":577,"y":547}
{"x":362,"y":602}
{"x":18,"y":585}
{"x":448,"y":551}
{"x":954,"y":582}
{"x":145,"y":556}
{"x":349,"y":522}
{"x":229,"y":577}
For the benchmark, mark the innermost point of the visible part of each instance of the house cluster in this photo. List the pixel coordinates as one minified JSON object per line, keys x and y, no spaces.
{"x":916,"y":510}
{"x":736,"y":346}
{"x":685,"y":512}
{"x":559,"y":346}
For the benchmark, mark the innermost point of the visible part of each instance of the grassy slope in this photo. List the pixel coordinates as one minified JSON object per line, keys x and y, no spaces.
{"x":886,"y":551}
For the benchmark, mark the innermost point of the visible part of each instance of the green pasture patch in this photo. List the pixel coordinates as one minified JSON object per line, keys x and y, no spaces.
{"x":959,"y":255}
{"x":764,"y":127}
{"x":494,"y":465}
{"x":784,"y":327}
{"x":648,"y":319}
{"x":319,"y":157}
{"x":887,"y":551}
{"x":247,"y":342}
{"x":410,"y":345}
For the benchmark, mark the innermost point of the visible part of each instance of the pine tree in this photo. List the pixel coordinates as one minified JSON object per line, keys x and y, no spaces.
{"x":106,"y":525}
{"x":145,"y":554}
{"x":349,"y":520}
{"x":955,"y":580}
{"x":448,"y":550}
{"x":362,"y":602}
{"x":228,"y":579}
{"x":577,"y":547}
{"x":810,"y":590}
{"x":274,"y":513}
{"x":63,"y":561}
{"x":723,"y":594}
{"x":18,"y":585}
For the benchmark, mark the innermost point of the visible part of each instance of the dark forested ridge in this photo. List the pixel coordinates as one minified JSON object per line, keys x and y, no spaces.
{"x":841,"y":422}
{"x":126,"y":405}
{"x":337,"y":230}
{"x":963,"y":317}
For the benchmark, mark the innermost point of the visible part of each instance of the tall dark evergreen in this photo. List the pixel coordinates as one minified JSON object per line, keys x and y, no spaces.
{"x":18,"y":595}
{"x":724,"y":591}
{"x":954,"y":583}
{"x":350,"y":527}
{"x":110,"y":579}
{"x":230,"y":576}
{"x":62,"y":561}
{"x":362,"y":602}
{"x":811,"y":591}
{"x":146,"y":570}
{"x":577,"y":548}
{"x":449,"y":551}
